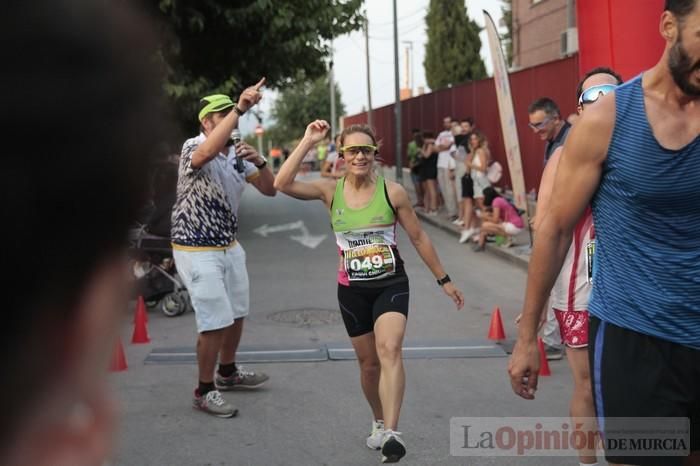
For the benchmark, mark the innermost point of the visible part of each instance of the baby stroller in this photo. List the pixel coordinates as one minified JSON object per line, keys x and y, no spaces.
{"x":153,"y":265}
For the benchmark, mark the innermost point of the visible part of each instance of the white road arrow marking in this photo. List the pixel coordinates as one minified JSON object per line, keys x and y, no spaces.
{"x":310,"y":241}
{"x":306,"y":238}
{"x":266,"y":230}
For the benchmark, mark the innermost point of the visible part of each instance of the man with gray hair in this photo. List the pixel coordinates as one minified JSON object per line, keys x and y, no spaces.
{"x":546,"y":121}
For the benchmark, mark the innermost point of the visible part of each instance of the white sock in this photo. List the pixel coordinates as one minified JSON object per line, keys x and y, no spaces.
{"x":588,"y":464}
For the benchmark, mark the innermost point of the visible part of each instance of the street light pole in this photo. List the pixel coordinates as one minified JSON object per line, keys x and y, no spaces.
{"x":397,"y":97}
{"x":369,"y":87}
{"x":332,"y":89}
{"x":410,"y":60}
{"x":259,"y":130}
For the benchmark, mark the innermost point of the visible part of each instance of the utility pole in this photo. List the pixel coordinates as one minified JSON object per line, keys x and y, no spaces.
{"x":259,"y":130}
{"x":397,"y":97}
{"x":409,"y":60}
{"x":369,"y":87}
{"x":332,"y":89}
{"x":406,"y":73}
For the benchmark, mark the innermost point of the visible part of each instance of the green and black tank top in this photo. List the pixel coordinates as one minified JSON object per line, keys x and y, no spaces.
{"x":366,"y":240}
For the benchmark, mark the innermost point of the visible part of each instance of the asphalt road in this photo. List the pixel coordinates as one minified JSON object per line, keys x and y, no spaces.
{"x":313,"y":413}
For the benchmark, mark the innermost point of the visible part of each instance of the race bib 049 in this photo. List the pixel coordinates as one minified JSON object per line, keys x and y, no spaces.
{"x":369,"y":262}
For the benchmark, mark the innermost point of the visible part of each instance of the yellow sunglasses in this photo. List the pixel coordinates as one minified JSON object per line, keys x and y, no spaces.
{"x":366,"y":149}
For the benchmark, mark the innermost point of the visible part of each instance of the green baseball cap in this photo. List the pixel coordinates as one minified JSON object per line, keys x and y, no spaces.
{"x":214,"y":103}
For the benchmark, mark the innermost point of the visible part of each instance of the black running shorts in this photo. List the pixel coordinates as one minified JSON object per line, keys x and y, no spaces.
{"x":361,"y":307}
{"x":637,"y":375}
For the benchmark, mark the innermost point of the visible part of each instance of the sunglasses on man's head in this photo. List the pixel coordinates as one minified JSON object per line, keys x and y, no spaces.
{"x":594,"y":93}
{"x":541,"y":124}
{"x":365,"y":149}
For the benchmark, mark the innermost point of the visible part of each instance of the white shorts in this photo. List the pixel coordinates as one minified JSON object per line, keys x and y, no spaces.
{"x":510,"y":229}
{"x":480,"y":183}
{"x":217,"y":282}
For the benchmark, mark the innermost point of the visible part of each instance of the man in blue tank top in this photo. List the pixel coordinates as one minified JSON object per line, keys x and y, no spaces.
{"x":635,"y":158}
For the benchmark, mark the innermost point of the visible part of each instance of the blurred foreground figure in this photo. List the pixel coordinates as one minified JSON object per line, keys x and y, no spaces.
{"x":79,"y":95}
{"x":644,"y":326}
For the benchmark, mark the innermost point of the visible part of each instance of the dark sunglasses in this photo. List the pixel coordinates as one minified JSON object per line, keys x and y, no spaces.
{"x":594,"y":93}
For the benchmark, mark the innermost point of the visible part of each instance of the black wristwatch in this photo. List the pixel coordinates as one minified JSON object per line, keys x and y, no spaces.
{"x":443,"y":280}
{"x":238,"y":110}
{"x":262,"y":165}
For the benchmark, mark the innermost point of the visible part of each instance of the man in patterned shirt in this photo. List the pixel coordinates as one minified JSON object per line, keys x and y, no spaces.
{"x":209,"y":259}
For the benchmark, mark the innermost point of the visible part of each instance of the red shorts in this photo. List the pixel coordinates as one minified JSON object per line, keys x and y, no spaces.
{"x":573,"y":326}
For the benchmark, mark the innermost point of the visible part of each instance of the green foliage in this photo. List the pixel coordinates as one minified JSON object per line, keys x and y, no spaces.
{"x":219,"y":46}
{"x":300,"y":104}
{"x":507,"y":39}
{"x":452,"y":51}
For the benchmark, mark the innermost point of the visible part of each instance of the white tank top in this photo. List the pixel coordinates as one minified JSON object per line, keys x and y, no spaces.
{"x":477,"y":161}
{"x":572,"y":290}
{"x":476,"y":173}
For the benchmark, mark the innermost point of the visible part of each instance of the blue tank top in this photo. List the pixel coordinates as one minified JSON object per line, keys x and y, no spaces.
{"x":646,"y":212}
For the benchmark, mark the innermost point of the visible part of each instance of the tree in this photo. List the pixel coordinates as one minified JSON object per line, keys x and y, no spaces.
{"x":219,"y":46}
{"x":452,"y":52}
{"x":298,"y":105}
{"x":507,"y":11}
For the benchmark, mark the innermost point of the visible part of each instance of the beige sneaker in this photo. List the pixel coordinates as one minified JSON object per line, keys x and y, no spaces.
{"x":213,"y":403}
{"x":242,"y":379}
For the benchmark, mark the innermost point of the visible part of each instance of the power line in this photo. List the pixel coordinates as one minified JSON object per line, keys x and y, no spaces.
{"x":403,"y":30}
{"x":383,"y":62}
{"x":390,"y":23}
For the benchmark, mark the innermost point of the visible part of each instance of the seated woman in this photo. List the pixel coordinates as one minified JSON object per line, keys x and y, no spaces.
{"x":502,"y":220}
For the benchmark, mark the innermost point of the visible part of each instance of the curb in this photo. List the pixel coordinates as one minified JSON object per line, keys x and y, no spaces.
{"x":490,"y":248}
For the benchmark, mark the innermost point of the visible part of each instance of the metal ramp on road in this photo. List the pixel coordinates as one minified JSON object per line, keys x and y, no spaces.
{"x":441,"y":349}
{"x":468,"y":348}
{"x":245,"y":354}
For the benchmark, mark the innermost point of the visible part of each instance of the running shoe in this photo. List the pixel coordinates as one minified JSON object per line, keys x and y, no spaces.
{"x":240,"y":379}
{"x":393,"y":447}
{"x":214,"y":404}
{"x":466,"y":234}
{"x":478,"y":248}
{"x":374,"y":441}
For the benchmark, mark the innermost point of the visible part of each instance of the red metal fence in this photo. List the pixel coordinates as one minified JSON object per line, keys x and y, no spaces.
{"x":477,"y":99}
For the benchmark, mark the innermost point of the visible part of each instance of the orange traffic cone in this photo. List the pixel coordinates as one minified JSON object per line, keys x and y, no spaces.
{"x":544,"y":365}
{"x":496,"y":331}
{"x":118,"y":361}
{"x":140,"y":304}
{"x":140,"y":319}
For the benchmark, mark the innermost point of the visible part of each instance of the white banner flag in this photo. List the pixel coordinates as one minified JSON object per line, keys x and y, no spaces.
{"x":505,"y":109}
